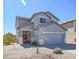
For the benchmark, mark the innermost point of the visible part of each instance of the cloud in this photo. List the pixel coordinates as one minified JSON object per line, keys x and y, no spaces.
{"x":23,"y":2}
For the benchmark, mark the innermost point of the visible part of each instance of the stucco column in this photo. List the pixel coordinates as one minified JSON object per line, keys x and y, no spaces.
{"x":20,"y":37}
{"x":32,"y":36}
{"x":64,"y":37}
{"x":17,"y":36}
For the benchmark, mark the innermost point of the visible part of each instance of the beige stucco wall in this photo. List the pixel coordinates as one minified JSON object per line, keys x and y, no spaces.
{"x":51,"y":28}
{"x":36,"y":19}
{"x":19,"y":36}
{"x":71,"y":33}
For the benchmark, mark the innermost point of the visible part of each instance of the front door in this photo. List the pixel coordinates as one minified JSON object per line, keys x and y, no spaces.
{"x":25,"y":38}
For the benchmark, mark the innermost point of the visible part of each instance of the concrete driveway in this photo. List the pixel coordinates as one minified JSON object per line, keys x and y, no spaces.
{"x":66,"y":46}
{"x":70,"y":51}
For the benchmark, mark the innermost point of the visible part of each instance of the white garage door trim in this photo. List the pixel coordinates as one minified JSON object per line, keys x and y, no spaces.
{"x":60,"y":40}
{"x":54,"y":32}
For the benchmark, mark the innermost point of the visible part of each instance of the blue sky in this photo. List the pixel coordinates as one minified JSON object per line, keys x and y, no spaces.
{"x":63,"y":9}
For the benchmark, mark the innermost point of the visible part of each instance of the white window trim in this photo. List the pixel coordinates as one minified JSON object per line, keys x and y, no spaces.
{"x":42,"y":17}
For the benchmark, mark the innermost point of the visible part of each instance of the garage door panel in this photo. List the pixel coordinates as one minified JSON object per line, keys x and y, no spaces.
{"x":53,"y":38}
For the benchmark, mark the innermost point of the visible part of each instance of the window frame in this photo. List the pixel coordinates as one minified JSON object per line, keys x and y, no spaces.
{"x":42,"y":20}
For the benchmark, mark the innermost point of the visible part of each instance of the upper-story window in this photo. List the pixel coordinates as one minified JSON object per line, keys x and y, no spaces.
{"x":42,"y":20}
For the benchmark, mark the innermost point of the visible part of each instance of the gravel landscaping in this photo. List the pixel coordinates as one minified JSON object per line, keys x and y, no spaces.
{"x":18,"y":52}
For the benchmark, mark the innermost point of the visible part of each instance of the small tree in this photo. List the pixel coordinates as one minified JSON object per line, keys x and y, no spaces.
{"x":8,"y":38}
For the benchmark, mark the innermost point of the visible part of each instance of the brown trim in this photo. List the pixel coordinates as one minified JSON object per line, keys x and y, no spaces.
{"x":61,"y":26}
{"x":29,"y":19}
{"x":45,"y":13}
{"x":68,"y":22}
{"x":52,"y":15}
{"x":22,"y":18}
{"x":39,"y":13}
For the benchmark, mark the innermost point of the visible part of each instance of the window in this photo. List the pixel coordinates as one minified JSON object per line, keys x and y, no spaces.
{"x":42,"y":20}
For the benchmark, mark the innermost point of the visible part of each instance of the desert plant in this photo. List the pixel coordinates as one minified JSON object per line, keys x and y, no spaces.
{"x":57,"y":50}
{"x":8,"y":38}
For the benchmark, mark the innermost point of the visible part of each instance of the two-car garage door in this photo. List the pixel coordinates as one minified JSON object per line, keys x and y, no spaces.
{"x":53,"y":38}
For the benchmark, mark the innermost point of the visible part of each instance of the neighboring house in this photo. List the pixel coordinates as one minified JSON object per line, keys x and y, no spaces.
{"x":71,"y":30}
{"x":42,"y":27}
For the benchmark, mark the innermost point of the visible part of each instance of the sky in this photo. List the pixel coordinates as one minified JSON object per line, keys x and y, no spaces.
{"x":64,"y":9}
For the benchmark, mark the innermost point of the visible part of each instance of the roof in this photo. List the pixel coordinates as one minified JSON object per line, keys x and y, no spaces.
{"x":29,"y":19}
{"x":52,"y":15}
{"x":69,"y":21}
{"x":40,"y":13}
{"x":45,"y":13}
{"x":61,"y":26}
{"x":57,"y":24}
{"x":22,"y":18}
{"x":24,"y":25}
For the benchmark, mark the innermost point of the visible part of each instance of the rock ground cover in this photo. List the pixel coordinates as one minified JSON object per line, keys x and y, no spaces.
{"x":18,"y":52}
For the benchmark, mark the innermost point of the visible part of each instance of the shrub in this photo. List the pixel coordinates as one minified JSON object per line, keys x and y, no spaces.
{"x":34,"y":43}
{"x":8,"y":38}
{"x":57,"y":50}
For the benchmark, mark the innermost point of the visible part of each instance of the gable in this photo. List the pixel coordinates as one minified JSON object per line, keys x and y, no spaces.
{"x":46,"y":15}
{"x":40,"y":15}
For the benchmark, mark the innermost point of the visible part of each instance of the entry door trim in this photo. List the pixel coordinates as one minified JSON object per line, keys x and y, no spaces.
{"x":26,"y":39}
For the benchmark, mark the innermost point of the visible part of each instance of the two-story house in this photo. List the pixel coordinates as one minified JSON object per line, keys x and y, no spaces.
{"x":42,"y":27}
